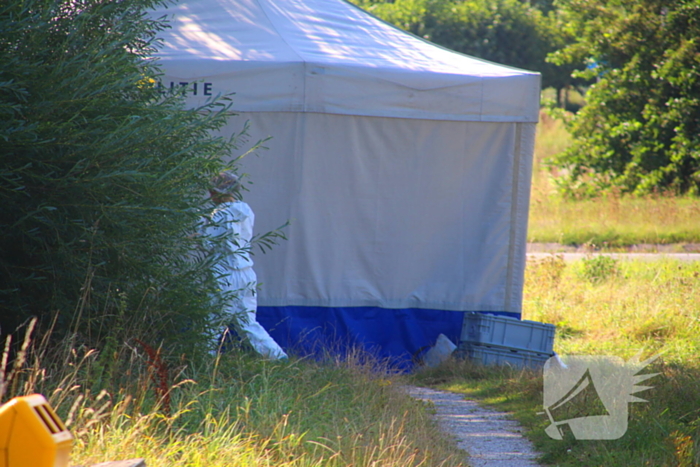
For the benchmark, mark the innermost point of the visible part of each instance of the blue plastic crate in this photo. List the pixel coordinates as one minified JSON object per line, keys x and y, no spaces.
{"x":502,"y":356}
{"x":500,"y":331}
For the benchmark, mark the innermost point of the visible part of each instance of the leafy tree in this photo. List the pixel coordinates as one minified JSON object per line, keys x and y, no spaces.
{"x":545,"y":6}
{"x":510,"y":32}
{"x":639,"y":131}
{"x":102,"y":175}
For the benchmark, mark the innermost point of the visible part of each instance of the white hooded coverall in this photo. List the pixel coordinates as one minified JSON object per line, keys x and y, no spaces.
{"x":234,"y":220}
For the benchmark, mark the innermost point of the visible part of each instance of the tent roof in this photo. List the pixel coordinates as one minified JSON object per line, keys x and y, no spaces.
{"x":329,"y":56}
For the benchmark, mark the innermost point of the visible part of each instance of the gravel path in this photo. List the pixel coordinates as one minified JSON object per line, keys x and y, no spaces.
{"x":488,"y":436}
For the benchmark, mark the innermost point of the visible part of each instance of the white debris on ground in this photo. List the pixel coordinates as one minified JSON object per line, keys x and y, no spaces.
{"x":487,"y":435}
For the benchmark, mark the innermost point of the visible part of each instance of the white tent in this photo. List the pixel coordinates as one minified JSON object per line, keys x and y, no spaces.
{"x":403,"y":167}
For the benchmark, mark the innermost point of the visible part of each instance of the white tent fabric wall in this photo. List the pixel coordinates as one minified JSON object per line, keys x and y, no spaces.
{"x":396,"y":213}
{"x":403,"y":167}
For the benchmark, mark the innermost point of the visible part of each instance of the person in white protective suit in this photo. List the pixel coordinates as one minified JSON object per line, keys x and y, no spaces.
{"x":234,"y":219}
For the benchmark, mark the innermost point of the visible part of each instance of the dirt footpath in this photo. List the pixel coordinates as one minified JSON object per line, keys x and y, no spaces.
{"x":487,"y":435}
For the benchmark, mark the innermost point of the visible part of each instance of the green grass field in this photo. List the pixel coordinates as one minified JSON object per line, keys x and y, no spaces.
{"x":236,"y":410}
{"x":611,"y":221}
{"x":608,"y":308}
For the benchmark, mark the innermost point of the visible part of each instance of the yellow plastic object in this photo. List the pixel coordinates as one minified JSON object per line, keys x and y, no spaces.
{"x":32,"y":435}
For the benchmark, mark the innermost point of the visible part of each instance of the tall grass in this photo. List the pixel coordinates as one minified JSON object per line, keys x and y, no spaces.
{"x":610,"y":220}
{"x":613,"y":308}
{"x":234,"y":409}
{"x":634,"y":305}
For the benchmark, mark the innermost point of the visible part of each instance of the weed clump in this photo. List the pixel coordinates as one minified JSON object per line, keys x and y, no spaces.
{"x":597,"y":269}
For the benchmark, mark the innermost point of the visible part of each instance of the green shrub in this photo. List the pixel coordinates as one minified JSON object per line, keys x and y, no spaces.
{"x":638,"y":132}
{"x":102,"y":175}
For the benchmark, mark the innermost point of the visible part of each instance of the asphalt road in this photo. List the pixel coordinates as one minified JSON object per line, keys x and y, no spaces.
{"x":690,"y":252}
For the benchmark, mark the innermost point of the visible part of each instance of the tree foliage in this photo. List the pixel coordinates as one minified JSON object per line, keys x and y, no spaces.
{"x":639,"y":131}
{"x":102,"y":175}
{"x":510,"y":32}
